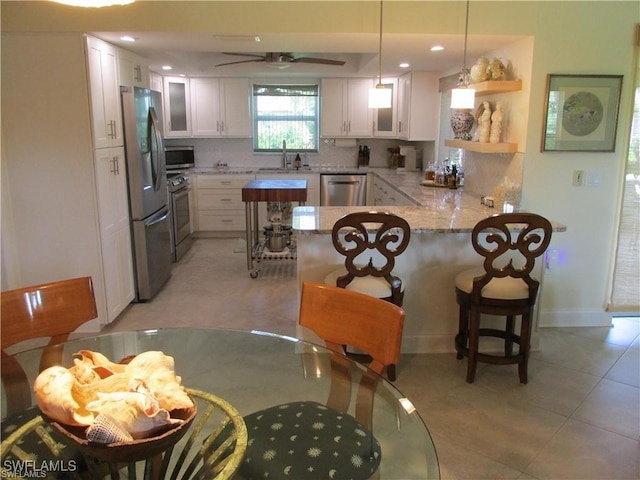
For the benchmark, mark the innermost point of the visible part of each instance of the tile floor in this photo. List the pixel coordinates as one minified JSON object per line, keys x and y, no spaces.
{"x":577,"y":418}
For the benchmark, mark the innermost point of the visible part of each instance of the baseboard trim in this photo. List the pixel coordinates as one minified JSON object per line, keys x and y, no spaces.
{"x":575,"y":318}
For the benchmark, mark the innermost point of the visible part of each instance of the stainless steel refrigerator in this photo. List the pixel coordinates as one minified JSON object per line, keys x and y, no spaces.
{"x":147,"y":181}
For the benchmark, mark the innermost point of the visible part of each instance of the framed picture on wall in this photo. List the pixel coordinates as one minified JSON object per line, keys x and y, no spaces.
{"x":581,"y":113}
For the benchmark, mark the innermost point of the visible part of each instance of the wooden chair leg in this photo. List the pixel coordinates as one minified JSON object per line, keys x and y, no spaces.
{"x":508,"y":341}
{"x":474,"y":331}
{"x":463,"y":329}
{"x":391,"y":372}
{"x":525,"y":339}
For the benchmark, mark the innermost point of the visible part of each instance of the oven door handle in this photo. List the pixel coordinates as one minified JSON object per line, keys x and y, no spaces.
{"x":180,"y":193}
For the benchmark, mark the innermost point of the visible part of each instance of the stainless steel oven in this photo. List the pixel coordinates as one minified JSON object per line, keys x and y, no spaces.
{"x":179,"y":187}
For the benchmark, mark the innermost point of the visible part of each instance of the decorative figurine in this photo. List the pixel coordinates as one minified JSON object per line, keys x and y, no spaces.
{"x":496,"y":124}
{"x":483,"y":117}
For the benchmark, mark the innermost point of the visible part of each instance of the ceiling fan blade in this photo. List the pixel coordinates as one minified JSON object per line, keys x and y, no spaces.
{"x":323,"y":61}
{"x":241,"y":61}
{"x":243,"y":54}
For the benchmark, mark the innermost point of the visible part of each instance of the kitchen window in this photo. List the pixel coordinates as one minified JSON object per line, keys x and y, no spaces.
{"x":287,"y":113}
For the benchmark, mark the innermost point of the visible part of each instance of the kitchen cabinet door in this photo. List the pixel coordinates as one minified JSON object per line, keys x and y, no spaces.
{"x":345,"y":108}
{"x":418,"y":106}
{"x":220,"y":107}
{"x":385,"y":120}
{"x":115,"y":236}
{"x":104,"y":85}
{"x":134,"y":71}
{"x":177,"y":107}
{"x":235,"y":107}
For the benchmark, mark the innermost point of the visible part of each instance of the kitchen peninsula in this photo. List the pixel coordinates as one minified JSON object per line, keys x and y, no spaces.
{"x":440,"y":247}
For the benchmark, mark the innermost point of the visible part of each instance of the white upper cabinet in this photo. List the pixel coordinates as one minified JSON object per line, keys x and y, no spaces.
{"x":104,"y":85}
{"x":177,"y":107}
{"x":345,"y":108}
{"x":418,"y":106}
{"x":220,"y":107}
{"x":134,"y":71}
{"x":385,"y":120}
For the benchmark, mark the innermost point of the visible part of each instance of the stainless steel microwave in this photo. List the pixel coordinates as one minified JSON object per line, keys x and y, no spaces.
{"x":179,"y":157}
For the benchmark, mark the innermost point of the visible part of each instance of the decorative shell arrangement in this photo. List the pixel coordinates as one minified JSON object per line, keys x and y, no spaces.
{"x":115,"y":402}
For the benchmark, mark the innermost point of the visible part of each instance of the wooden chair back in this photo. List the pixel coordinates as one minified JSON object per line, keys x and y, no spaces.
{"x":390,"y":240}
{"x":49,"y":310}
{"x":510,"y":244}
{"x":343,"y":317}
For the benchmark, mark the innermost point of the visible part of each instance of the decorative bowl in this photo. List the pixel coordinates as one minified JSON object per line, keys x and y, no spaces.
{"x":131,"y":451}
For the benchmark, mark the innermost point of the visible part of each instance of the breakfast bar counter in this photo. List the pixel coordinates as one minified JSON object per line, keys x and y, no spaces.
{"x":439,"y":249}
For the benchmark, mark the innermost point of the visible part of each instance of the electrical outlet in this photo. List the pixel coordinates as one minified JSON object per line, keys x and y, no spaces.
{"x":578,"y":178}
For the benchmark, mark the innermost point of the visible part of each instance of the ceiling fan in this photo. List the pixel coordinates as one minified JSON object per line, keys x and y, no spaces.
{"x":280,"y":60}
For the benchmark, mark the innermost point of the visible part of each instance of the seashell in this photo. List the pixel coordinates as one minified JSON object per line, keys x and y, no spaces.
{"x":105,"y":429}
{"x":53,"y":390}
{"x":136,"y":412}
{"x":98,"y":362}
{"x":157,"y":371}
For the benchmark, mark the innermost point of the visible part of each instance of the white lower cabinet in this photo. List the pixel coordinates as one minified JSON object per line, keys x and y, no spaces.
{"x":115,"y":234}
{"x":386,"y":195}
{"x":219,"y":205}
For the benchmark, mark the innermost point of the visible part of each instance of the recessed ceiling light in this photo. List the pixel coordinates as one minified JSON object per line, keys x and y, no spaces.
{"x":167,"y":67}
{"x":127,"y":38}
{"x":404,"y":65}
{"x":437,"y":48}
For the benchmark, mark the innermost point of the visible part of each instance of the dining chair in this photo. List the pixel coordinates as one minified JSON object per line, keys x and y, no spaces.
{"x":510,"y":244}
{"x":374,"y":275}
{"x":52,"y":310}
{"x":311,"y":440}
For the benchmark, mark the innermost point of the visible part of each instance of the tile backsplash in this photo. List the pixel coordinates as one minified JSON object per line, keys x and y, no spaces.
{"x":238,"y":152}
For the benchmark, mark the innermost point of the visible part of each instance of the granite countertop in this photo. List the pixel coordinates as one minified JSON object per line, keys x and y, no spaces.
{"x":436,"y":209}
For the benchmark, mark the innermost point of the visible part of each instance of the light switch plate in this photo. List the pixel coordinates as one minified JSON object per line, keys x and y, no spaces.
{"x":578,"y":178}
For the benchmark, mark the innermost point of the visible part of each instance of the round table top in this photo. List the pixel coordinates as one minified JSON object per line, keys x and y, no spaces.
{"x":255,"y":370}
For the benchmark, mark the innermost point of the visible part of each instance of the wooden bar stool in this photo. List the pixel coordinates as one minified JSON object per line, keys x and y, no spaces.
{"x":509,"y":243}
{"x":370,"y":257}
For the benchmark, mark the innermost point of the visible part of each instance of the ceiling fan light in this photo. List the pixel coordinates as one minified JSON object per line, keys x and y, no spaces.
{"x":463,"y":98}
{"x":380,"y":97}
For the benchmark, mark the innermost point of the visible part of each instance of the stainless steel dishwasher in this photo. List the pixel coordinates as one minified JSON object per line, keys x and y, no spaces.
{"x":343,"y":189}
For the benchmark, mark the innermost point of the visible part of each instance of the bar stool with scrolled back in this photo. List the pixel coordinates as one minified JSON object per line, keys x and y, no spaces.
{"x":369,"y":262}
{"x":510,"y":244}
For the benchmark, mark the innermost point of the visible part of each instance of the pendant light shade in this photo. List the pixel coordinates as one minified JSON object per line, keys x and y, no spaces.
{"x":93,"y":3}
{"x":380,"y":97}
{"x":463,"y":97}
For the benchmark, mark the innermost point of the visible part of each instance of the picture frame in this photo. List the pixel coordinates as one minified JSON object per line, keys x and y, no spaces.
{"x":581,"y":113}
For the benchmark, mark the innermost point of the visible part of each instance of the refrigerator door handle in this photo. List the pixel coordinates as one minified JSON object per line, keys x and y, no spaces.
{"x":157,"y":149}
{"x":158,"y":218}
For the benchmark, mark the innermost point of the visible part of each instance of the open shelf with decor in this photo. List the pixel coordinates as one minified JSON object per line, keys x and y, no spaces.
{"x":496,"y":86}
{"x":482,"y":147}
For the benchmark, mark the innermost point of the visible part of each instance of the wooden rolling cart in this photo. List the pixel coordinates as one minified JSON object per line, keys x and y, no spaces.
{"x":268,"y":191}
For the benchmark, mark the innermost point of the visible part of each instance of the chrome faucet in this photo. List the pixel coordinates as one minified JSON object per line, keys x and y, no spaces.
{"x":284,"y":154}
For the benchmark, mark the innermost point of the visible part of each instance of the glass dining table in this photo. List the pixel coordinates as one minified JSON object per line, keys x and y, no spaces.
{"x":253,"y":370}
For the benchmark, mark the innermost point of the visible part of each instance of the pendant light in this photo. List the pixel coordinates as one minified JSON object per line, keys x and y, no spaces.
{"x":462,"y":97}
{"x":380,"y":96}
{"x":94,"y":3}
